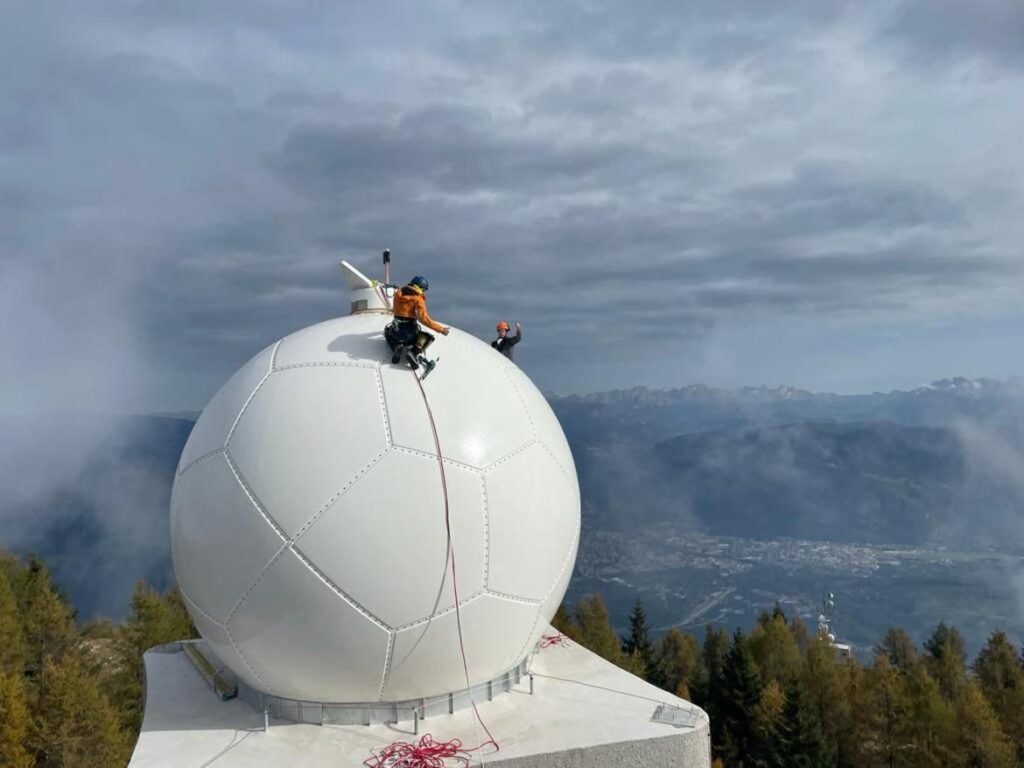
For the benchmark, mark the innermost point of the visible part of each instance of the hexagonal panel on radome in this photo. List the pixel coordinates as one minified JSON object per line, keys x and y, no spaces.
{"x":211,"y":430}
{"x":533,"y":516}
{"x":304,"y":640}
{"x":219,"y":642}
{"x":221,"y":542}
{"x":494,"y":632}
{"x":392,"y":558}
{"x":351,"y":339}
{"x":305,"y":436}
{"x":547,"y":428}
{"x":557,"y":590}
{"x":478,"y":415}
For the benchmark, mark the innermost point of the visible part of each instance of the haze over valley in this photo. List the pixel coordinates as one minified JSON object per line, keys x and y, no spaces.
{"x":709,"y":505}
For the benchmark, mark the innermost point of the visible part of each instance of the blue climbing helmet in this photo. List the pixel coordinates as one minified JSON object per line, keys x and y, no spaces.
{"x":420,"y":282}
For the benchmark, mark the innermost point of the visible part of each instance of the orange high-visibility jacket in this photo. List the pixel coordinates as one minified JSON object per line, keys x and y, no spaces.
{"x":411,"y":304}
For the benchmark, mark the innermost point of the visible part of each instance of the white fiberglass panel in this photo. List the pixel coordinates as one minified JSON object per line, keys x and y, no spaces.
{"x":546,"y":427}
{"x":359,"y":536}
{"x":533,"y":516}
{"x":217,"y":556}
{"x":494,"y":633}
{"x":216,"y":637}
{"x":305,"y":641}
{"x":211,"y":430}
{"x":361,"y":341}
{"x":307,"y":435}
{"x":478,"y":414}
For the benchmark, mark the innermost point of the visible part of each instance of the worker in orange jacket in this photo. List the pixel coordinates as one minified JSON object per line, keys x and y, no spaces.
{"x":403,"y":334}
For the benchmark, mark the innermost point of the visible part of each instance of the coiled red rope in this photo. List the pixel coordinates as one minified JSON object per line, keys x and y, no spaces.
{"x":428,"y":753}
{"x":548,"y":641}
{"x":425,"y":753}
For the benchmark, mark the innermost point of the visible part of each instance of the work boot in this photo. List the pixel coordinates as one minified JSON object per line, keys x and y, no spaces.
{"x":397,"y":354}
{"x":411,"y":356}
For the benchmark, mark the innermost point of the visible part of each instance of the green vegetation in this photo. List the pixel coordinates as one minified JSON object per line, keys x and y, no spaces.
{"x":781,"y":696}
{"x":70,"y":696}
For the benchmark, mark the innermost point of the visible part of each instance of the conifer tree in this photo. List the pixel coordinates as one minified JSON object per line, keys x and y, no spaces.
{"x":1001,"y":679}
{"x":946,"y":657}
{"x":48,"y":621}
{"x":15,"y":721}
{"x":76,"y":725}
{"x":709,"y":696}
{"x":13,"y":649}
{"x":899,"y":649}
{"x":823,"y":680}
{"x":638,"y":642}
{"x":799,"y":742}
{"x":562,"y":621}
{"x":677,"y":665}
{"x":774,"y":649}
{"x":155,"y":619}
{"x":595,"y":630}
{"x":980,"y":738}
{"x":885,"y":736}
{"x":931,"y":723}
{"x":741,"y":695}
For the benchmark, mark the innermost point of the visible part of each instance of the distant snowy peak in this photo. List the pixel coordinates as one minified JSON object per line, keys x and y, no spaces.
{"x":648,"y":396}
{"x":960,"y":385}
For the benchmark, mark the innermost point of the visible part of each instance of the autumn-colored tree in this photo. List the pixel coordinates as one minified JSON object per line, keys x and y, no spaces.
{"x":883,"y":718}
{"x":76,"y":726}
{"x":931,"y":721}
{"x":13,"y":648}
{"x":1001,"y":679}
{"x":981,"y":741}
{"x":677,"y":663}
{"x":563,"y":622}
{"x":946,"y":657}
{"x":899,"y":649}
{"x":48,"y":620}
{"x":15,"y":722}
{"x":774,"y":649}
{"x":155,"y":619}
{"x":596,"y":631}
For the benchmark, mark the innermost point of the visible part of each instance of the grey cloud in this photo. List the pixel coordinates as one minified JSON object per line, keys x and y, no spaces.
{"x":945,"y":30}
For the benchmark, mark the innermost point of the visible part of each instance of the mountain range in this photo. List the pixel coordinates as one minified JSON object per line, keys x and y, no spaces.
{"x":936,"y":465}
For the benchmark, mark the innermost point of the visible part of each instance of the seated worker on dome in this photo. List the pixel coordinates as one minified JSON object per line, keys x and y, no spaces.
{"x":504,"y":342}
{"x":403,"y":334}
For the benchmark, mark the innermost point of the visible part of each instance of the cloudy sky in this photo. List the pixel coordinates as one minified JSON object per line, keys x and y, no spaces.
{"x":823,"y":194}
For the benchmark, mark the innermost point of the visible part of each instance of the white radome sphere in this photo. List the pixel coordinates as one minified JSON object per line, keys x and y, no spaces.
{"x":308,"y":521}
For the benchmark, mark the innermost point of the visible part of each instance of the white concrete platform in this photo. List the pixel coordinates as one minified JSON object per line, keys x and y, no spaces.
{"x":583,"y":712}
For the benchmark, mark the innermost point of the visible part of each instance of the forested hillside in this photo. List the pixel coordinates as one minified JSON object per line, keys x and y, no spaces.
{"x":70,"y":694}
{"x":782,"y":696}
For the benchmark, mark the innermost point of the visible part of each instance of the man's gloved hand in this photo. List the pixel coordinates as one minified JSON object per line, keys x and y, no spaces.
{"x":444,"y":331}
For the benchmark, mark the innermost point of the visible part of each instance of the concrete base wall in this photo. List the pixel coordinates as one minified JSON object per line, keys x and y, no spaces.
{"x":583,"y":712}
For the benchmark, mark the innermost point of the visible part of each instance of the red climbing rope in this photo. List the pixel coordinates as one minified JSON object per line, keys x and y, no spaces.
{"x":547,"y":641}
{"x":427,"y":753}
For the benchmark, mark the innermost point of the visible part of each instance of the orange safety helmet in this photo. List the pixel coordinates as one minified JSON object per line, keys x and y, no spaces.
{"x":503,"y":326}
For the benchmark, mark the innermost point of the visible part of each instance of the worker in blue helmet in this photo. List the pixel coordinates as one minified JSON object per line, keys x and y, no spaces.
{"x":403,"y":334}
